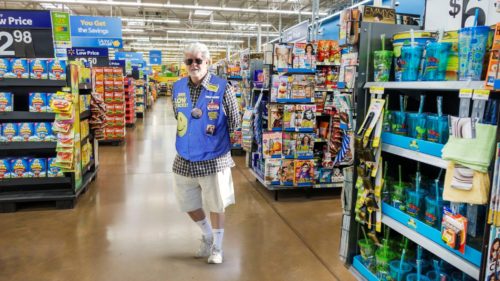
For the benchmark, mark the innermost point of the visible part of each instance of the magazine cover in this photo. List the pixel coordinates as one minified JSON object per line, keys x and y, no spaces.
{"x":286,"y":172}
{"x":305,"y":145}
{"x":275,"y":117}
{"x":319,"y":100}
{"x":325,"y":175}
{"x":302,"y":86}
{"x":350,"y":59}
{"x":283,"y":55}
{"x":304,"y":172}
{"x":271,"y":171}
{"x":308,"y":119}
{"x":338,"y":175}
{"x":289,"y":116}
{"x":271,"y":144}
{"x":310,"y":56}
{"x":299,"y":55}
{"x":289,"y":144}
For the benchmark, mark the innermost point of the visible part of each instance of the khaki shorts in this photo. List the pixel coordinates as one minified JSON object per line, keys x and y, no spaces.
{"x":213,"y":193}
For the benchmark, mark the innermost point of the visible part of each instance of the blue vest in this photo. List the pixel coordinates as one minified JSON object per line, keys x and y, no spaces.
{"x":196,"y":141}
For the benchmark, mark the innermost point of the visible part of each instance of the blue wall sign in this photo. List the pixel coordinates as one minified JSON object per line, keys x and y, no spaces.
{"x":155,"y":57}
{"x":25,"y":19}
{"x":89,"y":31}
{"x":295,"y":33}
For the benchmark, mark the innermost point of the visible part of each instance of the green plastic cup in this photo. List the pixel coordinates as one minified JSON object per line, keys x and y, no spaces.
{"x":382,"y":61}
{"x":398,"y":196}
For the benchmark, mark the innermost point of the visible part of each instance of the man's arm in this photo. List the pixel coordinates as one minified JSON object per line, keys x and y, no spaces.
{"x":231,"y":108}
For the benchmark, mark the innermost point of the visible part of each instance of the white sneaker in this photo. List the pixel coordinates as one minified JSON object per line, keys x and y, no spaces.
{"x":215,"y":256}
{"x":205,"y":247}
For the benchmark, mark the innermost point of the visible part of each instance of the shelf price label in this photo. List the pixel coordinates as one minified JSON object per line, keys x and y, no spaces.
{"x":91,"y":56}
{"x":481,"y":95}
{"x":466,"y":93}
{"x":377,"y":90}
{"x":26,"y":34}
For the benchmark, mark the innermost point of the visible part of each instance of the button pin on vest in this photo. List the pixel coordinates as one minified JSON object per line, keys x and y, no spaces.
{"x":196,"y":113}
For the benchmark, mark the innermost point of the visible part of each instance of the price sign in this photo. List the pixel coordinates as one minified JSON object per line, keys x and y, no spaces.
{"x":459,"y":13}
{"x":26,"y":34}
{"x":90,"y":56}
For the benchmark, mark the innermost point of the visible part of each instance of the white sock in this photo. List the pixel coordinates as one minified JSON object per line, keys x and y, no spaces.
{"x":218,"y":236}
{"x":206,"y":228}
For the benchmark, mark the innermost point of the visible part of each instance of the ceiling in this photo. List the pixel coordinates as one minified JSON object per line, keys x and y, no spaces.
{"x":169,"y":24}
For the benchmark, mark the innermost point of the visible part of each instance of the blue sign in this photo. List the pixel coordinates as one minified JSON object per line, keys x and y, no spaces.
{"x":297,"y":32}
{"x":155,"y":57}
{"x":128,"y":56}
{"x":87,"y":52}
{"x":117,"y":63}
{"x":25,"y":19}
{"x":87,"y":31}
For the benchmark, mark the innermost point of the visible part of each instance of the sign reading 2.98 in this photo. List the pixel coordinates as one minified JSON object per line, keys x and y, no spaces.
{"x":26,"y":34}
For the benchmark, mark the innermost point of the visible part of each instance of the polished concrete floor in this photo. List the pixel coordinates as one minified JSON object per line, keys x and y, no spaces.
{"x":128,"y":227}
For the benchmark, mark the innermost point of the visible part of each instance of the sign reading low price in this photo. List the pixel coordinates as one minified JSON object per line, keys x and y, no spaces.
{"x":91,"y":56}
{"x":26,"y":34}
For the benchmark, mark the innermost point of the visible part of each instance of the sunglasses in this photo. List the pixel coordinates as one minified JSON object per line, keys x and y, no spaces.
{"x":190,"y":61}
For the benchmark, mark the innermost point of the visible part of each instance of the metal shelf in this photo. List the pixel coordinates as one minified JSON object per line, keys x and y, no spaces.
{"x":9,"y":82}
{"x":415,"y":155}
{"x":34,"y":181}
{"x":360,"y":271}
{"x":296,"y":70}
{"x":429,"y":239}
{"x":428,"y":85}
{"x":36,"y":146}
{"x":27,"y":116}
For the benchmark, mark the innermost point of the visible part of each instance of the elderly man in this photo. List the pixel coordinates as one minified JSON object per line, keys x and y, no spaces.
{"x":206,"y":111}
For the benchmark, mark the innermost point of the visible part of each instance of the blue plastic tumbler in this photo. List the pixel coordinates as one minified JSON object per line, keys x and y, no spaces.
{"x":416,"y":125}
{"x":437,"y":128}
{"x":398,"y":125}
{"x":397,"y":273}
{"x":436,"y":61}
{"x":472,"y":43}
{"x":411,"y":58}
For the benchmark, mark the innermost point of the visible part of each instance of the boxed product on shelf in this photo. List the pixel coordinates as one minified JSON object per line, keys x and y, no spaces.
{"x":6,"y":102}
{"x":20,"y":168}
{"x":287,"y":172}
{"x":108,"y":74}
{"x":84,"y":128}
{"x":38,"y":102}
{"x":4,"y":68}
{"x":53,"y":170}
{"x":49,"y":98}
{"x":10,"y":132}
{"x":271,"y":144}
{"x":84,"y":103}
{"x":109,"y":97}
{"x":57,"y":69}
{"x":119,"y":109}
{"x":119,"y":97}
{"x":109,"y":133}
{"x":5,"y":170}
{"x":37,"y":167}
{"x":19,"y":68}
{"x":43,"y":132}
{"x":38,"y":69}
{"x":304,"y":172}
{"x":119,"y":133}
{"x":271,"y":171}
{"x":109,"y":86}
{"x":119,"y":121}
{"x":26,"y":131}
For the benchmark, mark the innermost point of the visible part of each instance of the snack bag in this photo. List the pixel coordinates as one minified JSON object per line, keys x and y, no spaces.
{"x":20,"y":168}
{"x":20,"y":68}
{"x":52,"y":170}
{"x":38,"y":167}
{"x":62,"y":102}
{"x":57,"y":69}
{"x":5,"y":169}
{"x":38,"y":69}
{"x":38,"y":102}
{"x":6,"y":102}
{"x":26,"y":131}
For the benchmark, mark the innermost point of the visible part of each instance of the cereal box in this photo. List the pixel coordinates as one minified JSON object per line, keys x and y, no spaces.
{"x":43,"y":132}
{"x":26,"y":131}
{"x":4,"y":169}
{"x":10,"y":132}
{"x":38,"y":102}
{"x":20,"y":168}
{"x":19,"y":68}
{"x":4,"y":67}
{"x":57,"y":69}
{"x":52,"y":170}
{"x":38,"y":69}
{"x":6,"y":101}
{"x":38,"y":167}
{"x":49,"y":99}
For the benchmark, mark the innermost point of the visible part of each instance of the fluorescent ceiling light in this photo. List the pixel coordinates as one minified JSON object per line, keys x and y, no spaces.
{"x":225,"y":23}
{"x":128,"y":20}
{"x":172,"y":6}
{"x":180,"y":39}
{"x":202,"y":12}
{"x":219,"y":32}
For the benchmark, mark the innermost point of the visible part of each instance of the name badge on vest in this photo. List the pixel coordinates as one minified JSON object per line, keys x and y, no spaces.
{"x":212,"y":87}
{"x":210,"y":130}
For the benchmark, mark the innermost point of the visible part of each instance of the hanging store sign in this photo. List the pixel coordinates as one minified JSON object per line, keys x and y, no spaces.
{"x":91,"y":56}
{"x":296,"y":33}
{"x":99,"y":32}
{"x":26,"y":34}
{"x":455,"y":14}
{"x":61,"y":32}
{"x":155,"y":57}
{"x":118,"y":63}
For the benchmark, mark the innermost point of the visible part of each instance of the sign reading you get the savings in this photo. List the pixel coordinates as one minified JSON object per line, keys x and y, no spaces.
{"x":89,"y":31}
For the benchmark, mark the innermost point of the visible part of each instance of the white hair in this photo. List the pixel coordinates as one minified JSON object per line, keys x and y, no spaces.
{"x":198,"y":47}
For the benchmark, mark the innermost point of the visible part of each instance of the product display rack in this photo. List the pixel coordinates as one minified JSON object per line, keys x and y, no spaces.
{"x":140,"y":98}
{"x":63,"y":191}
{"x":411,"y":151}
{"x":130,"y":116}
{"x":307,"y":187}
{"x":237,"y":82}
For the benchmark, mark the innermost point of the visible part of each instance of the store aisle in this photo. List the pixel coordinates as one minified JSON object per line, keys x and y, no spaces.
{"x":128,"y":227}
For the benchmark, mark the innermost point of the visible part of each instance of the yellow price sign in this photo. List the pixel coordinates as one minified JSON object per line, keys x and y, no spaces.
{"x":466,"y":93}
{"x":377,"y":90}
{"x":481,"y":95}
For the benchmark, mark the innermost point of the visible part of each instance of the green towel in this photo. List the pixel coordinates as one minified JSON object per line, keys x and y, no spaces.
{"x":475,"y":154}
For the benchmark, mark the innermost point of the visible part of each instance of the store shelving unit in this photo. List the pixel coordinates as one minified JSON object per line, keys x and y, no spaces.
{"x":130,"y":116}
{"x":63,"y":191}
{"x":428,"y":85}
{"x":140,"y":98}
